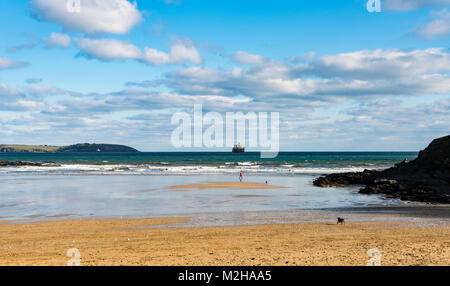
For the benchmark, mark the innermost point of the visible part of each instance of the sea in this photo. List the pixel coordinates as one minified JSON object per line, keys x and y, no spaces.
{"x":137,"y":185}
{"x":180,"y":163}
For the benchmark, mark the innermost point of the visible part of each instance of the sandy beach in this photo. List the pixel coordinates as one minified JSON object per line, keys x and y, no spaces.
{"x":125,"y":242}
{"x":227,"y":231}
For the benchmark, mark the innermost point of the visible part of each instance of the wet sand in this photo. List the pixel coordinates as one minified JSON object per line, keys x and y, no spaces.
{"x":86,"y":197}
{"x":132,"y":242}
{"x":227,"y":185}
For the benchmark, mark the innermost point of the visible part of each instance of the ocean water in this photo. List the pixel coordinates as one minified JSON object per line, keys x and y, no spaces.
{"x":139,"y":185}
{"x":203,"y":163}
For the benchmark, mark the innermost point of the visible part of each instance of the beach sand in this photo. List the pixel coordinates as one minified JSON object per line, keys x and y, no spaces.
{"x":123,"y":242}
{"x":227,"y":185}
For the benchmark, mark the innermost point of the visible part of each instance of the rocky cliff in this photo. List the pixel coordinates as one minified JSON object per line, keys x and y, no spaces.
{"x":425,"y":179}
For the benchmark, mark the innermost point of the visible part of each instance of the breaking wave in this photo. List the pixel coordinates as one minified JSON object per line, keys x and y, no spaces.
{"x":166,"y":169}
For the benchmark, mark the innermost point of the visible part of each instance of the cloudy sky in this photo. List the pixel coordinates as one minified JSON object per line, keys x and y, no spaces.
{"x":340,"y":77}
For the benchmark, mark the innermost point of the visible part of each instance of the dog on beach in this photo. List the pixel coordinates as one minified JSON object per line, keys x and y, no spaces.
{"x":340,"y":220}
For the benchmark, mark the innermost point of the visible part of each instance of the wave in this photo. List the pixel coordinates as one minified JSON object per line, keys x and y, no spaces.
{"x":166,"y":169}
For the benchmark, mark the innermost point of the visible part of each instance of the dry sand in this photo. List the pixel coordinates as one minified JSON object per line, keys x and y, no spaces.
{"x":227,"y":185}
{"x":119,"y":242}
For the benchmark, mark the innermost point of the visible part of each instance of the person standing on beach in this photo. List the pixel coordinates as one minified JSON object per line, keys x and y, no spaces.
{"x":241,"y":177}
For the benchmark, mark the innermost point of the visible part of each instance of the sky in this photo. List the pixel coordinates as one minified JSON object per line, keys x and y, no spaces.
{"x":342,"y":78}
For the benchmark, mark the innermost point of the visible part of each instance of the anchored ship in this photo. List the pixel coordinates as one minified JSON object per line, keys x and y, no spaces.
{"x":238,"y":149}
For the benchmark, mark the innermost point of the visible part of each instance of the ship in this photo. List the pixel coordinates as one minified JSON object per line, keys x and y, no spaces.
{"x":238,"y":149}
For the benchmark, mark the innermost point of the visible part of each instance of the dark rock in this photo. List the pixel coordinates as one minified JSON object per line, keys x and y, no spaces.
{"x":425,"y":179}
{"x":20,"y":163}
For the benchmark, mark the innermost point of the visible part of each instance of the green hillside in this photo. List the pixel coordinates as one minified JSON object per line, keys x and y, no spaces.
{"x":82,"y":148}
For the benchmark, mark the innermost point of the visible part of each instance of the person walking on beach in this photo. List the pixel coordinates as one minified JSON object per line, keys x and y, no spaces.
{"x":241,"y":177}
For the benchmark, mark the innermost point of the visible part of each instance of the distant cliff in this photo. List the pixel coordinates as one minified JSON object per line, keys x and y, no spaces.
{"x":27,"y":149}
{"x":83,"y":148}
{"x":97,"y":148}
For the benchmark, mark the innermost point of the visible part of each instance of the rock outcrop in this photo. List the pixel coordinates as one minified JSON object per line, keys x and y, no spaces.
{"x":20,"y":163}
{"x":425,"y":179}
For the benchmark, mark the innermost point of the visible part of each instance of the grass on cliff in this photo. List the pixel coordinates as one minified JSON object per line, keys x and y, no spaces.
{"x":31,"y":148}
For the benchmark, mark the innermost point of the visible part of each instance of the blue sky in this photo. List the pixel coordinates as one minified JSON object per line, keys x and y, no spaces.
{"x":342,"y":78}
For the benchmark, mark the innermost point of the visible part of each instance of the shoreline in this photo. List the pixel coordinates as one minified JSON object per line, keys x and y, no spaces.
{"x":154,"y":241}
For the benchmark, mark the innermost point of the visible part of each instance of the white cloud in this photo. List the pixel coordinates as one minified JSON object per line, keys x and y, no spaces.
{"x":185,"y":51}
{"x":360,"y":73}
{"x":44,"y":90}
{"x":111,"y":49}
{"x":6,"y":63}
{"x":271,"y":79}
{"x":13,"y":100}
{"x":180,"y":53}
{"x":143,"y":84}
{"x":156,"y":57}
{"x":377,"y":79}
{"x":5,"y":91}
{"x":439,"y":27}
{"x":29,"y":104}
{"x":401,"y":127}
{"x":15,"y":49}
{"x":96,"y":16}
{"x":407,"y":5}
{"x":108,"y":49}
{"x":378,"y":63}
{"x":246,"y":58}
{"x":57,"y":40}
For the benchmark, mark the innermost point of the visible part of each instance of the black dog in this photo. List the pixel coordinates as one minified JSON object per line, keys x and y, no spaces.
{"x":340,"y":220}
